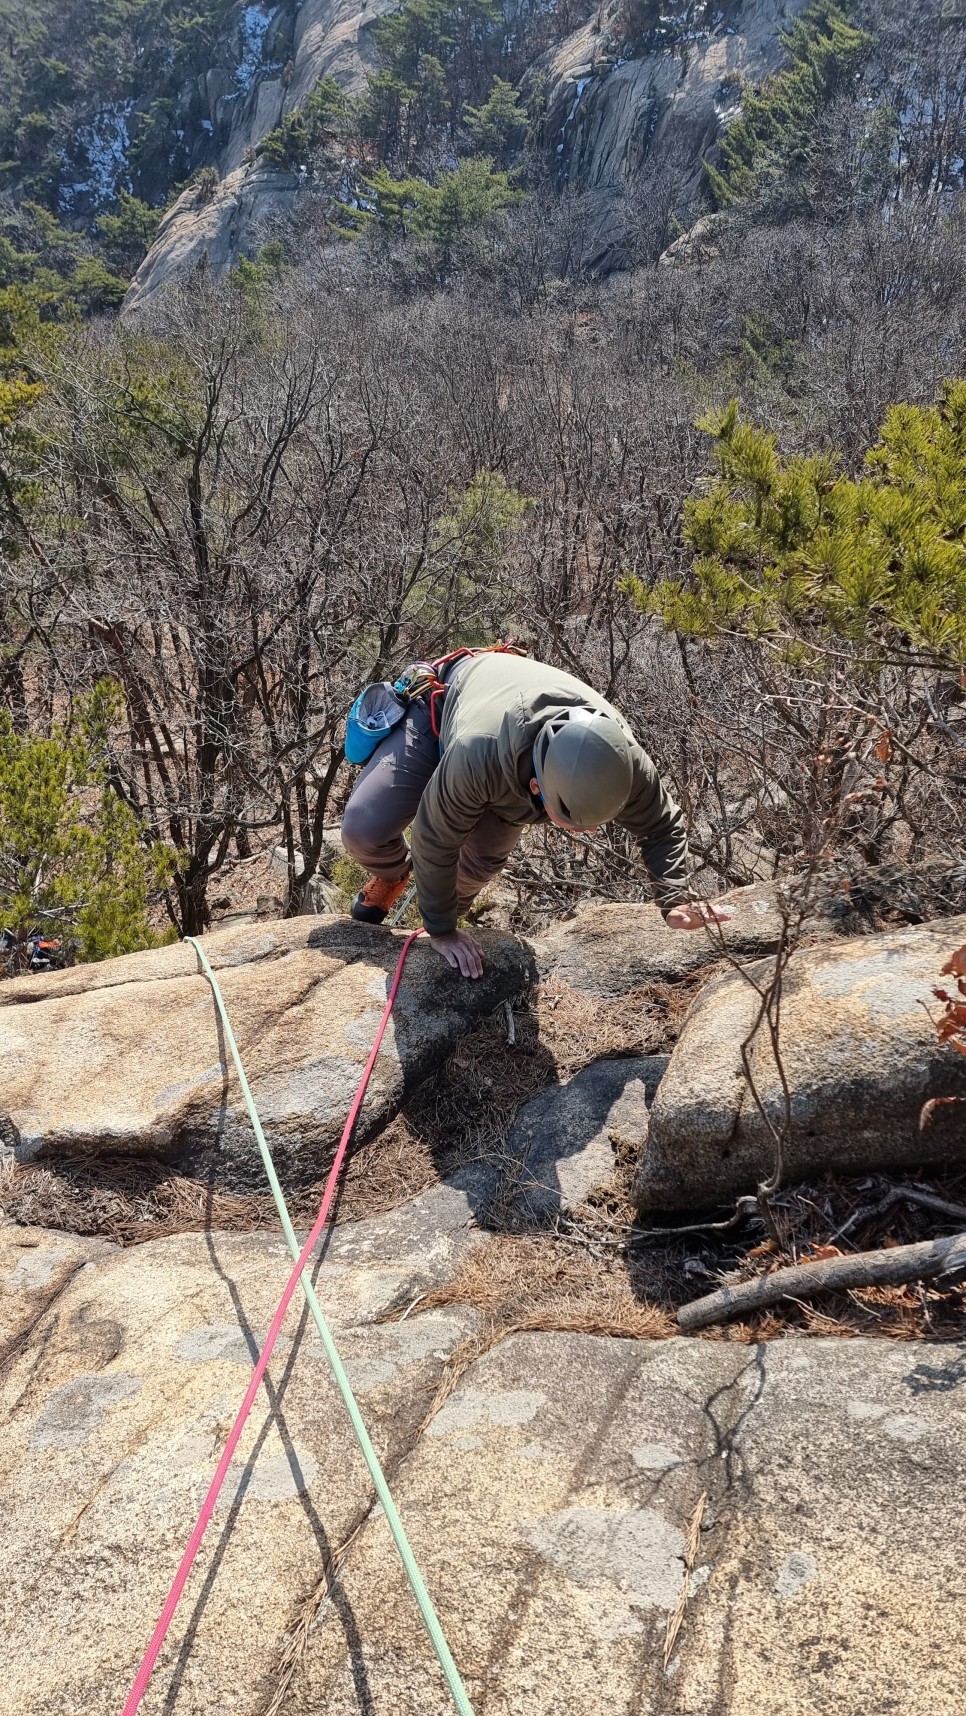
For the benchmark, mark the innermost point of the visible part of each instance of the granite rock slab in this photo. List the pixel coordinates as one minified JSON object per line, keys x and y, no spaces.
{"x":128,"y":1056}
{"x":860,"y":1055}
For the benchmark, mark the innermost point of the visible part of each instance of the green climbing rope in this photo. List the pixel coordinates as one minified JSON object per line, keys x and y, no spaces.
{"x":423,"y":1599}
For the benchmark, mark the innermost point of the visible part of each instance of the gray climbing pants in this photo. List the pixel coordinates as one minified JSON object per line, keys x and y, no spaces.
{"x":385,"y":799}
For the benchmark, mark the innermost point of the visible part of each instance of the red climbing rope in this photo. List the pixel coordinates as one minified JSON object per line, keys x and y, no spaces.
{"x":208,"y":1506}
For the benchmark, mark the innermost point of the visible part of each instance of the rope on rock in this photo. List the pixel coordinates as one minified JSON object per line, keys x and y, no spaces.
{"x":423,"y":1599}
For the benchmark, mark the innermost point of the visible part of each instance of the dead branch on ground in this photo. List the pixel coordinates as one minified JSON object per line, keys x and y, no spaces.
{"x":935,"y":1258}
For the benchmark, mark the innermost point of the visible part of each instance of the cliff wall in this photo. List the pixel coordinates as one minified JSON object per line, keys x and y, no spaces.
{"x":605,"y":116}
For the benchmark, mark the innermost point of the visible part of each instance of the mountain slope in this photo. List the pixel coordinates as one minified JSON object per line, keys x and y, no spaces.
{"x":606,"y":111}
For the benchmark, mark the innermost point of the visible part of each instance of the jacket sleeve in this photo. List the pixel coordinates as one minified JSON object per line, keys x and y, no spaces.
{"x":656,"y":822}
{"x":451,"y":806}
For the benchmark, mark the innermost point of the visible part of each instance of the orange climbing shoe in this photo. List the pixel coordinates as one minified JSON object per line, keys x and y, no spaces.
{"x":375,"y":901}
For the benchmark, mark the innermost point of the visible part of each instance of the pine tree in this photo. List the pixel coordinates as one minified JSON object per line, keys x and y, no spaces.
{"x":500,"y":124}
{"x":71,"y":855}
{"x":770,"y":146}
{"x":19,"y":446}
{"x":462,"y":201}
{"x":792,"y":547}
{"x":465,"y":200}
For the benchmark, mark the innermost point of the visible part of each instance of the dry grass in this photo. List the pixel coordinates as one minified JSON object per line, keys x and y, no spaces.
{"x":542,"y":1282}
{"x":676,"y":1620}
{"x":131,"y":1199}
{"x":577,"y":1029}
{"x":125,"y":1199}
{"x":529,"y":1284}
{"x":467,"y":1110}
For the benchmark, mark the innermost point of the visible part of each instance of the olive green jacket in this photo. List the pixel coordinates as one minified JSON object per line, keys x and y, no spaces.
{"x":493,"y":710}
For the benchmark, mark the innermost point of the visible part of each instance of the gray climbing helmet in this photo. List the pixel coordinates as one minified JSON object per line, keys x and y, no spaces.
{"x":582,"y":763}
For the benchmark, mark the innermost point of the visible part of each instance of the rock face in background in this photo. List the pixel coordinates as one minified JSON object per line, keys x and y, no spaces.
{"x":551,"y":1490}
{"x":604,"y":115}
{"x":128,"y":1057}
{"x":216,"y":233}
{"x":860,"y":1055}
{"x":326,"y":38}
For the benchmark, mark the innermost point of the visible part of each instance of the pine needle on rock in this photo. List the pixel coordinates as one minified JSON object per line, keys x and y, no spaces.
{"x":676,"y":1621}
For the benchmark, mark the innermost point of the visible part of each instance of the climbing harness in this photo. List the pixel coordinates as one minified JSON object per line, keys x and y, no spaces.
{"x":437,"y":690}
{"x":423,"y":1599}
{"x":381,"y":706}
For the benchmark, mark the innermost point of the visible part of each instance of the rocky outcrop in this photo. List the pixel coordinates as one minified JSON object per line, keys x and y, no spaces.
{"x":860,"y":1056}
{"x":114,"y":1413}
{"x":127,"y":1056}
{"x":214,"y":233}
{"x":551,"y":1493}
{"x":608,"y":950}
{"x":329,"y":38}
{"x":696,"y":245}
{"x":564,"y":1141}
{"x":607,"y":114}
{"x":568,"y":1467}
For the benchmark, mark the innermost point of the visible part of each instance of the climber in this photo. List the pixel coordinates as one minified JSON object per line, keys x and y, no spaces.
{"x":518,"y":743}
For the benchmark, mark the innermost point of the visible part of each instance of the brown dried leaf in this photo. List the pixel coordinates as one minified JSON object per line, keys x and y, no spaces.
{"x":928,"y":1110}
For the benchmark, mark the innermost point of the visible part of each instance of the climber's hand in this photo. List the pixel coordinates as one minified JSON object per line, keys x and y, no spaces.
{"x":461,"y":950}
{"x":697,"y":913}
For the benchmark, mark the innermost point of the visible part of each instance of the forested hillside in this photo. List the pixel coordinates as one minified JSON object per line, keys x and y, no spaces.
{"x":94,"y":89}
{"x":717,"y":466}
{"x":96,"y":131}
{"x":447,"y":113}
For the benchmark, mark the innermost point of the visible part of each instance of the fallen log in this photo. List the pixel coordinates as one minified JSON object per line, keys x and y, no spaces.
{"x":945,"y":1258}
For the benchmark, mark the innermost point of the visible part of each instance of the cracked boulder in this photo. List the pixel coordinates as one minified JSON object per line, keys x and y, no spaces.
{"x":607,"y":950}
{"x":549,"y":1506}
{"x":128,"y":1056}
{"x":860,"y":1056}
{"x":838,"y":1584}
{"x":547,"y":1496}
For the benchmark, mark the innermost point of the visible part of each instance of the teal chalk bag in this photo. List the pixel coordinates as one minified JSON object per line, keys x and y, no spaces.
{"x":374,"y":714}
